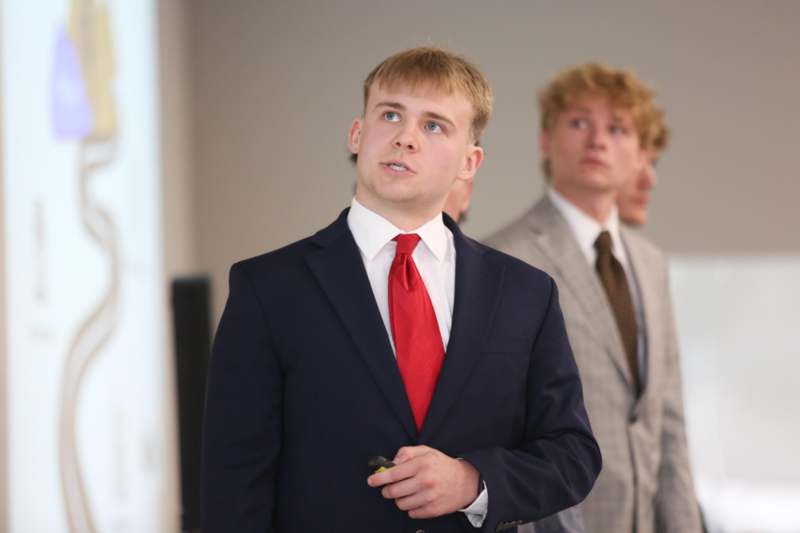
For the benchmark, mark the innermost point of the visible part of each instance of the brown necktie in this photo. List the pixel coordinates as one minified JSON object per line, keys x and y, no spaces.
{"x":612,"y":276}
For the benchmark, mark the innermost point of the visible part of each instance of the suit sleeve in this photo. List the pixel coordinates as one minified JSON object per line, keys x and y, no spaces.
{"x":242,"y":430}
{"x":675,"y":503}
{"x":558,"y":460}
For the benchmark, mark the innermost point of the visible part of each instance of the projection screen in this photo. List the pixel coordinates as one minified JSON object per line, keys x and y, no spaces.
{"x":85,"y":361}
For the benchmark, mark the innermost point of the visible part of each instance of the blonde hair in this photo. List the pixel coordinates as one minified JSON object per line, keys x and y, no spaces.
{"x":622,"y":89}
{"x":441,"y":70}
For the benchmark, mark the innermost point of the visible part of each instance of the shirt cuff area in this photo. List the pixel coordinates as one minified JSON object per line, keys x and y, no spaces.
{"x":477,"y":510}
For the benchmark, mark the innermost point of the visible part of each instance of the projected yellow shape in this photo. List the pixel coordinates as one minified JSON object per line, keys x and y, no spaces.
{"x":89,"y":29}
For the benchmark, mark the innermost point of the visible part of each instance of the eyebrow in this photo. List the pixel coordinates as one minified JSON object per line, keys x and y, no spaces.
{"x":429,"y":114}
{"x":623,"y":120}
{"x":614,"y":116}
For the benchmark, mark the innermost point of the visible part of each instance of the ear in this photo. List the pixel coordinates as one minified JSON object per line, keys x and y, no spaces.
{"x":354,"y":136}
{"x":472,"y":162}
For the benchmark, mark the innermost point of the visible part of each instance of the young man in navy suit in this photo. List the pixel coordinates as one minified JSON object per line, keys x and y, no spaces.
{"x":389,"y":333}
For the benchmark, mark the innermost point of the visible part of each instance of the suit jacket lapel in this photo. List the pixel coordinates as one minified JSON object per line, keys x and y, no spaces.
{"x":646,"y":287}
{"x":555,"y":239}
{"x":477,"y":293}
{"x":339,"y":269}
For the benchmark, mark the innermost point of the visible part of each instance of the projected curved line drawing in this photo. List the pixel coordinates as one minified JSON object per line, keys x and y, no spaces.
{"x":83,"y":109}
{"x":92,"y":335}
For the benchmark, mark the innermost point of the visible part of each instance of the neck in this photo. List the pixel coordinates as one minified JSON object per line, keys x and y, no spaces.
{"x":400,"y":215}
{"x":595,"y":204}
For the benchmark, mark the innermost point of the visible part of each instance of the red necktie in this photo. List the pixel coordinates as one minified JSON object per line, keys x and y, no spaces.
{"x":417,"y":340}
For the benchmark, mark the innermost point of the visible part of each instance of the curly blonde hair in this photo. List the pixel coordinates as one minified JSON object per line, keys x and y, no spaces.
{"x":623,"y":90}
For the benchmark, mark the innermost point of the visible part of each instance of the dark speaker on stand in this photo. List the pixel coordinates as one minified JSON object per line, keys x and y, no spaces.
{"x":192,"y":331}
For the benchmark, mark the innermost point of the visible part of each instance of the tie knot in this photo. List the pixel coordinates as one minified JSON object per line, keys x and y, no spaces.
{"x":603,"y":243}
{"x":406,"y":242}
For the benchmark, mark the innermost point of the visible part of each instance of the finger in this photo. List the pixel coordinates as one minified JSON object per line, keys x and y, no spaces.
{"x":425,"y":511}
{"x":392,"y":475}
{"x":401,"y":489}
{"x":406,"y":453}
{"x":414,"y":502}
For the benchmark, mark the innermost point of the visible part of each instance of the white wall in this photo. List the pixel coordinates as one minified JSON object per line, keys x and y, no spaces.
{"x":177,"y":208}
{"x":276,"y":84}
{"x":737,"y":319}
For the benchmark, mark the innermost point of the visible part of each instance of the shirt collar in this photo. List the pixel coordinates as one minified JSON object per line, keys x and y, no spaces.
{"x":586,"y":229}
{"x":372,"y":232}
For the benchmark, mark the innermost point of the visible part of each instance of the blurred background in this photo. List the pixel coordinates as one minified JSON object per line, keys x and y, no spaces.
{"x":147,"y":145}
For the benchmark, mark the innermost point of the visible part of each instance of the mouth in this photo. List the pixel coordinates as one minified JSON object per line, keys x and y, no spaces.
{"x":593,"y":161}
{"x":398,"y":167}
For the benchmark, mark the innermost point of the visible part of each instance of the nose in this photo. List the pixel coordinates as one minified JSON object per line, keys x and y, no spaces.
{"x":597,"y":137}
{"x":406,"y":139}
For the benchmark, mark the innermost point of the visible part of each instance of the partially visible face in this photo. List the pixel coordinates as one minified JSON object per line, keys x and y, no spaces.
{"x":634,"y":196}
{"x":412,"y":146}
{"x":458,"y":199}
{"x":593,"y":148}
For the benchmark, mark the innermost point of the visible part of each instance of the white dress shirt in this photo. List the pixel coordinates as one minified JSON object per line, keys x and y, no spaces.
{"x":586,"y":230}
{"x":435,"y":257}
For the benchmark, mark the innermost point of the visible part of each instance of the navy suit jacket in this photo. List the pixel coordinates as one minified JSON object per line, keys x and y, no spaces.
{"x":304,"y":389}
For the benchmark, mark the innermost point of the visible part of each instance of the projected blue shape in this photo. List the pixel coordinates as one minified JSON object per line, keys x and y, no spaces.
{"x":71,"y":113}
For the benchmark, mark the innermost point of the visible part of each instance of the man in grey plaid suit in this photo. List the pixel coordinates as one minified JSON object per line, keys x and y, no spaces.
{"x":597,"y":126}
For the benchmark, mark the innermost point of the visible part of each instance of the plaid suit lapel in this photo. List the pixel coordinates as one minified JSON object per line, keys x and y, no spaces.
{"x":645,"y":277}
{"x":556,"y":241}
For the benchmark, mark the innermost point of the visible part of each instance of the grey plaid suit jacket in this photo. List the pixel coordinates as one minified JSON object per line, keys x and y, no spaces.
{"x":646,"y":484}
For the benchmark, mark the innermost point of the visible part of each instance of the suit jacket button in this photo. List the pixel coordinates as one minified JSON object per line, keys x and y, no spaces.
{"x":632,"y":418}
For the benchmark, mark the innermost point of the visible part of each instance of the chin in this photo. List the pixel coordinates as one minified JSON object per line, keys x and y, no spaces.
{"x":637,"y":220}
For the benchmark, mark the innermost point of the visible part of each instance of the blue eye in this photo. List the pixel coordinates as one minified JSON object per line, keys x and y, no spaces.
{"x":391,"y":116}
{"x":617,"y":130}
{"x":433,"y":127}
{"x":577,"y":123}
